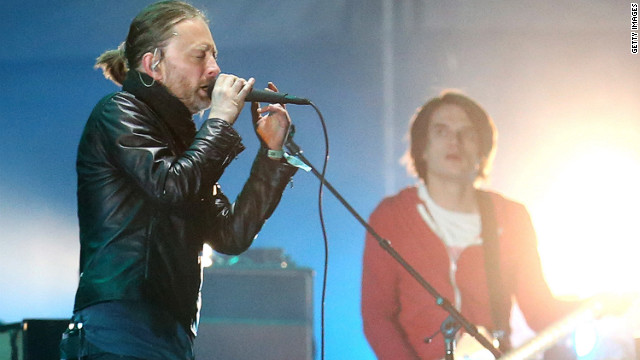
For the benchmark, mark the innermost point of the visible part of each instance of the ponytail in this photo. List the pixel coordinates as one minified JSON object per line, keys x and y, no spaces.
{"x":113,"y":64}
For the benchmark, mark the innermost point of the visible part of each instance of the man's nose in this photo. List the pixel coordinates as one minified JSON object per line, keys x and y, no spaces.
{"x":212,"y":67}
{"x":459,"y":136}
{"x":454,"y":137}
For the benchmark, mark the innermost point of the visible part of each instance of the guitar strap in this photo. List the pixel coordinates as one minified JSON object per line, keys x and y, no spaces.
{"x":500,"y":302}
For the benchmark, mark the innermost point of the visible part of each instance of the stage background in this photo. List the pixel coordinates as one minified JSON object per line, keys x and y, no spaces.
{"x":558,"y":77}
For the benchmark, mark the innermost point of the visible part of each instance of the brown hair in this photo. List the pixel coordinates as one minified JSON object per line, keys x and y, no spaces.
{"x":150,"y":30}
{"x":419,"y":128}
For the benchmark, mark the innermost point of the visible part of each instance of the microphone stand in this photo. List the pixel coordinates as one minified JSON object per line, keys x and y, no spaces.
{"x":449,"y":328}
{"x":294,"y":149}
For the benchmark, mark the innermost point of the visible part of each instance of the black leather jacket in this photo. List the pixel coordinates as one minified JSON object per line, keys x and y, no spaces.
{"x":148,"y":199}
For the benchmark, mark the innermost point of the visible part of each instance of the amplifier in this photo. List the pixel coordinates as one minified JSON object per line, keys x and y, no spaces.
{"x":256,"y":314}
{"x":32,"y":339}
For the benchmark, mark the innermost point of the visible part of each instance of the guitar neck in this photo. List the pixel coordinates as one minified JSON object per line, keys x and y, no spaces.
{"x":550,"y":336}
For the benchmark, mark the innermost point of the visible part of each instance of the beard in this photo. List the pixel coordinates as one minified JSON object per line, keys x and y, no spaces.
{"x":198,"y":103}
{"x":193,"y":96}
{"x":192,"y":99}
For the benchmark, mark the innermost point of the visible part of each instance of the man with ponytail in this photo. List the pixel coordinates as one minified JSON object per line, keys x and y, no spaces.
{"x":148,"y":193}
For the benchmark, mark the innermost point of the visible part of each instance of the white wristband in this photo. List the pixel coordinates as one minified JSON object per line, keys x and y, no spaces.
{"x":275,"y":154}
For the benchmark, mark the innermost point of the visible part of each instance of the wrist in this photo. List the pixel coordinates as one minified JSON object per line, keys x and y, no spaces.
{"x":229,"y":118}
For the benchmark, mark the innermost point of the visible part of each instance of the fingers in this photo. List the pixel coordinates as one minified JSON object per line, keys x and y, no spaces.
{"x":255,"y":115}
{"x":236,"y":86}
{"x":228,"y":95}
{"x":272,"y":109}
{"x":272,"y":125}
{"x":254,"y":107}
{"x":246,"y":88}
{"x":272,"y":87}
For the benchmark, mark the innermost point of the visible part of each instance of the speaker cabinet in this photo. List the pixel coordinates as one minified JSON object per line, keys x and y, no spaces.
{"x":256,"y":314}
{"x":32,"y":339}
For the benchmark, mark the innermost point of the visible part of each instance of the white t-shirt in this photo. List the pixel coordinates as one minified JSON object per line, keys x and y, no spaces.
{"x":457,"y":230}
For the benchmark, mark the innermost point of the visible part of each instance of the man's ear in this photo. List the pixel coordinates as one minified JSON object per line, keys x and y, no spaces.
{"x":150,"y":65}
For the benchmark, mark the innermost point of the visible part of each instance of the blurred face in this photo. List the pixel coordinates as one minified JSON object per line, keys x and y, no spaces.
{"x":453,"y":146}
{"x":189,"y":64}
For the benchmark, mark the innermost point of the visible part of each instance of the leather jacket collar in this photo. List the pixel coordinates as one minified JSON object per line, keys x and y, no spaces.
{"x":168,"y":107}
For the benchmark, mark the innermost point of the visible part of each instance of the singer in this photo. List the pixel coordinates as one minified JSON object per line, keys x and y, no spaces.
{"x":475,"y":247}
{"x":148,"y":193}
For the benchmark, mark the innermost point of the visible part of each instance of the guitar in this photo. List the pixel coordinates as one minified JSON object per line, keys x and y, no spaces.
{"x":591,"y":310}
{"x":468,"y":348}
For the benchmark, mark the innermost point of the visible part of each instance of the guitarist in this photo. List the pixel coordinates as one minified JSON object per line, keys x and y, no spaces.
{"x":477,"y":248}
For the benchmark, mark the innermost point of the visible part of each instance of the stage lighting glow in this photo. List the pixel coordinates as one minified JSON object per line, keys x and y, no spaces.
{"x":585,"y":339}
{"x":207,"y":256}
{"x":587,"y":223}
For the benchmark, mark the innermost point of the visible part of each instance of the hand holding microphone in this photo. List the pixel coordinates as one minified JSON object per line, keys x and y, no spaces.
{"x":271,"y":122}
{"x":228,"y":93}
{"x":267,"y":96}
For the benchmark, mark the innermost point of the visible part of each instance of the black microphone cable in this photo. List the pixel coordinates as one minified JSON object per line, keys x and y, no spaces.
{"x":296,"y":151}
{"x":324,"y":230}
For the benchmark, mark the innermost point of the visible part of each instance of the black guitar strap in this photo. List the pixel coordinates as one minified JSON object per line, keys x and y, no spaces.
{"x":500,"y":302}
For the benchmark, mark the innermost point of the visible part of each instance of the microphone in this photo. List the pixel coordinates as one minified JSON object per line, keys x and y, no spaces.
{"x":275,"y":97}
{"x":268,"y":97}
